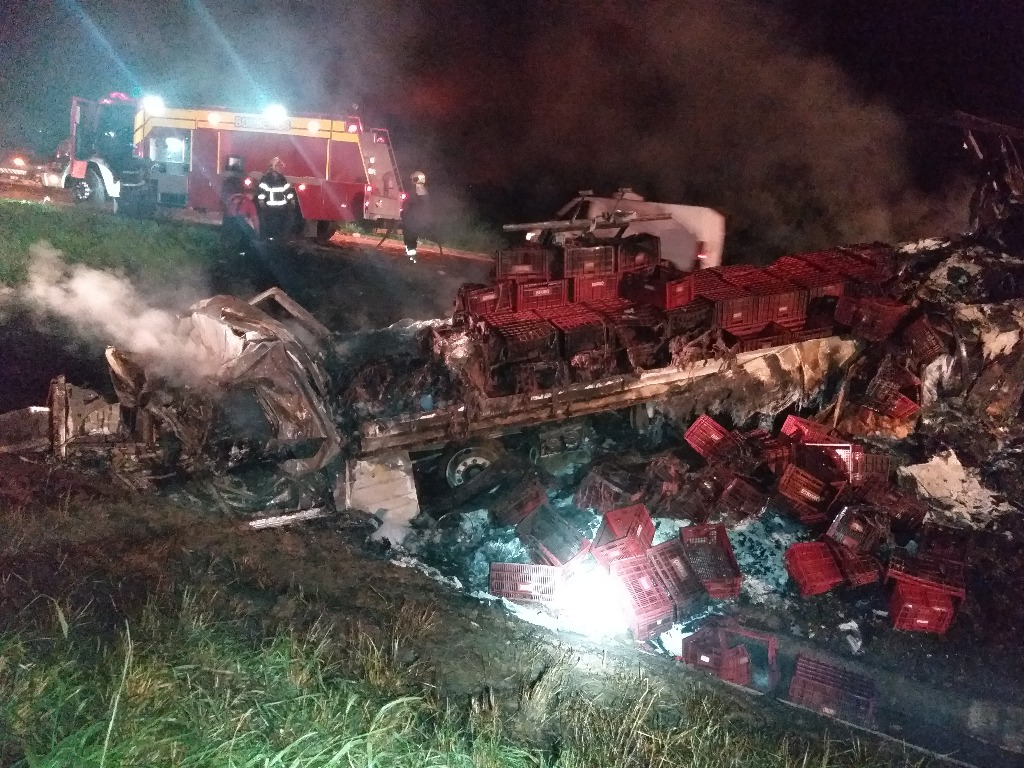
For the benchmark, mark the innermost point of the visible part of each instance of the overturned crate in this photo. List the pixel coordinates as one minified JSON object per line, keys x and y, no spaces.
{"x":529,"y":584}
{"x":858,"y":569}
{"x":804,"y":496}
{"x":918,"y":608}
{"x":710,"y":439}
{"x":650,"y":608}
{"x":813,"y":567}
{"x":518,"y":504}
{"x":552,"y":539}
{"x":858,"y":529}
{"x":708,"y":649}
{"x":623,"y":533}
{"x":677,"y":575}
{"x":608,"y":486}
{"x":741,"y":501}
{"x":833,"y":691}
{"x":709,"y":551}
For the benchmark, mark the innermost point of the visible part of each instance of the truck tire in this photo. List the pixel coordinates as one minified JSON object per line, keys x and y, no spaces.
{"x":464,"y":462}
{"x":90,"y":189}
{"x":325,"y":231}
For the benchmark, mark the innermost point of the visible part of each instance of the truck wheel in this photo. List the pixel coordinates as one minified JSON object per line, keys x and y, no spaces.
{"x":325,"y":231}
{"x":463,"y":463}
{"x":90,"y":189}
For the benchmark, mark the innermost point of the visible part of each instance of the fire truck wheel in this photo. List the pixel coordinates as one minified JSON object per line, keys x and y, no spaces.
{"x":90,"y":189}
{"x":325,"y":231}
{"x":462,"y":463}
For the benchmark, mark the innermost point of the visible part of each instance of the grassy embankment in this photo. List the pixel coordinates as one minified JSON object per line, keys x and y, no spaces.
{"x":190,"y":685}
{"x":154,"y":251}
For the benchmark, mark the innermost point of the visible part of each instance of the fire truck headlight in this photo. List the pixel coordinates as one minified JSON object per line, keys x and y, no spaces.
{"x":153,"y":104}
{"x":275,"y":114}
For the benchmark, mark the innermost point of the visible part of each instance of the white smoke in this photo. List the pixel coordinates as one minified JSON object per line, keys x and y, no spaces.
{"x":110,"y":309}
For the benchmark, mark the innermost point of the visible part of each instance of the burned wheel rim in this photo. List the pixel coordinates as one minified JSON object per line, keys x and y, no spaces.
{"x":467,"y":464}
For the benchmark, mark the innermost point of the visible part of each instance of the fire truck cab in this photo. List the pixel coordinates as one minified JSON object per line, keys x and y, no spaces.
{"x":210,"y":159}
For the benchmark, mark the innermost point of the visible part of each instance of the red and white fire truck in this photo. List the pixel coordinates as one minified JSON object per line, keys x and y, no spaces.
{"x":142,"y":152}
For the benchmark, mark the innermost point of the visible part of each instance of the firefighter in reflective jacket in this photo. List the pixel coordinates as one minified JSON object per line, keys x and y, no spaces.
{"x":275,"y":202}
{"x":414,"y":214}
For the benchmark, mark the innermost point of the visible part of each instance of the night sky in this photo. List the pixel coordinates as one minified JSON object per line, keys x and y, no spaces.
{"x":805,"y":120}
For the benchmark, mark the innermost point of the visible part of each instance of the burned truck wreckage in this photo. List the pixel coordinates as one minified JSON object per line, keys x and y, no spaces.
{"x":599,"y":427}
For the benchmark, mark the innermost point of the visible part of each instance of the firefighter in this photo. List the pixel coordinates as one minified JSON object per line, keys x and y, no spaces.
{"x":275,"y":202}
{"x":414,"y":214}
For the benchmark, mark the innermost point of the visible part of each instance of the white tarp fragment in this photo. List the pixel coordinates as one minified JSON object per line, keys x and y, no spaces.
{"x":956,"y":494}
{"x":382,"y":486}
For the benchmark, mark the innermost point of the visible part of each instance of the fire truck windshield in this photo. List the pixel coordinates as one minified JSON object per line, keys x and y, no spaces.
{"x":113,"y":140}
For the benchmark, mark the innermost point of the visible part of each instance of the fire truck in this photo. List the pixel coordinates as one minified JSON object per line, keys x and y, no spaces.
{"x":140,"y":153}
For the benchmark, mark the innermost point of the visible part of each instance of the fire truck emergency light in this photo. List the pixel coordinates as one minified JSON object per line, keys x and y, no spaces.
{"x":213,"y":118}
{"x":353,"y":127}
{"x":313,"y":126}
{"x":275,"y":114}
{"x":153,"y":104}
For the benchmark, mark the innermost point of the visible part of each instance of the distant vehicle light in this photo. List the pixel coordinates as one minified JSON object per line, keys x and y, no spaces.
{"x":275,"y":114}
{"x":213,"y":118}
{"x":153,"y":104}
{"x":353,"y":128}
{"x":20,"y":162}
{"x":313,"y":126}
{"x":302,"y":187}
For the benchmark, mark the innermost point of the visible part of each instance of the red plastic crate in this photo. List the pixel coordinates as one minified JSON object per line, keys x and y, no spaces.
{"x":741,"y":500}
{"x":705,"y":435}
{"x":476,"y":300}
{"x":552,"y":293}
{"x":771,"y":335}
{"x":587,"y":288}
{"x":533,"y":584}
{"x":638,"y":252}
{"x":925,"y":344}
{"x":667,"y":290}
{"x":708,"y":649}
{"x":917,"y":608}
{"x":812,"y":566}
{"x":833,"y":691}
{"x":777,"y":453}
{"x":710,"y":553}
{"x":678,"y":577}
{"x":858,"y":569}
{"x":866,"y":467}
{"x":804,"y":430}
{"x":525,"y":263}
{"x":877,"y":317}
{"x":906,"y":513}
{"x":941,"y":574}
{"x":692,"y":319}
{"x":650,"y":608}
{"x":579,"y":260}
{"x":551,"y":538}
{"x":519,"y":504}
{"x":579,"y":329}
{"x":856,"y":530}
{"x":626,"y":532}
{"x":816,"y":282}
{"x":518,"y":336}
{"x":807,"y":498}
{"x":735,"y":309}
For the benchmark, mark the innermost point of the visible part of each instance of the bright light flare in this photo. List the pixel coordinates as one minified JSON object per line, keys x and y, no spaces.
{"x":20,"y":162}
{"x":213,"y":118}
{"x":313,"y":126}
{"x":275,"y":114}
{"x":153,"y":104}
{"x":590,"y":602}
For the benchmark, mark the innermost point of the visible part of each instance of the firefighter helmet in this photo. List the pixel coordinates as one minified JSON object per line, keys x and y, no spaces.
{"x":419,"y":178}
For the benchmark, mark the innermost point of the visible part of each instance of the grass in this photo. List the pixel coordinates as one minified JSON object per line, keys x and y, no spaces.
{"x":157,"y":251}
{"x":188,"y":684}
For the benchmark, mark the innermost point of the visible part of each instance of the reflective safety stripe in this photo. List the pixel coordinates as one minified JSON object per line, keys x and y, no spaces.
{"x":276,"y":196}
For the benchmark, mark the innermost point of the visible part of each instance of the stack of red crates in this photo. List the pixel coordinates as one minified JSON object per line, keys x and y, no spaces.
{"x":813,"y":567}
{"x":817,"y":282}
{"x":778,"y":301}
{"x":579,"y":329}
{"x":591,"y":272}
{"x":710,"y":553}
{"x":626,"y":532}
